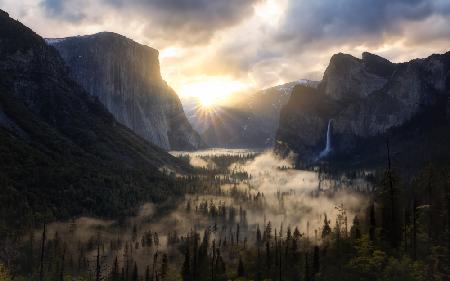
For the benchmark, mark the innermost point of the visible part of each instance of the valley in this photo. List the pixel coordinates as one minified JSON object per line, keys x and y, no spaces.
{"x":108,"y":173}
{"x":240,"y":202}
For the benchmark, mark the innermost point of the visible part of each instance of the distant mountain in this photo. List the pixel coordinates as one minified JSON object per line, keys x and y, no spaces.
{"x":363,"y":102}
{"x":62,"y":153}
{"x":250,"y":121}
{"x":126,"y":78}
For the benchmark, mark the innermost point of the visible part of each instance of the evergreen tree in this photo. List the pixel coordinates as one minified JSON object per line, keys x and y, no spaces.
{"x":268,"y":256}
{"x":147,"y":273}
{"x":237,"y":234}
{"x":135,"y":274}
{"x":164,"y":265}
{"x":326,"y":231}
{"x":316,"y":260}
{"x":258,"y":275}
{"x":186,"y":271}
{"x":30,"y":254}
{"x":307,"y":274}
{"x":258,"y":236}
{"x":356,"y":229}
{"x":115,"y":271}
{"x":241,"y":271}
{"x":97,"y":266}
{"x":372,"y":222}
{"x":41,"y":266}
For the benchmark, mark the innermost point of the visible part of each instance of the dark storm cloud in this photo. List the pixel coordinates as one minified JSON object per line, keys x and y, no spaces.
{"x":349,"y":20}
{"x":58,"y":8}
{"x":184,"y":20}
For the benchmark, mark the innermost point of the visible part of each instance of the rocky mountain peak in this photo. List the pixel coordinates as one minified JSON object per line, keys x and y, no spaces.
{"x":3,"y":13}
{"x":378,"y":65}
{"x":348,"y":77}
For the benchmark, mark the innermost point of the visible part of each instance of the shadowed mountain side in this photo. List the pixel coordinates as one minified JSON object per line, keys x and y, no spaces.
{"x":367,"y":98}
{"x":62,"y":153}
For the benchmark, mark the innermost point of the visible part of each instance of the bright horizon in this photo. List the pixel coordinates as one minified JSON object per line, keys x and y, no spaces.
{"x":214,"y":49}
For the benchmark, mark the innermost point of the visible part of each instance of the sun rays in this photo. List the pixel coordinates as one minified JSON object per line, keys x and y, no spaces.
{"x":211,"y":90}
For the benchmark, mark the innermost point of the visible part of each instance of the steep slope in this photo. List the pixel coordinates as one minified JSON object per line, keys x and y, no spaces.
{"x":251,"y":120}
{"x":126,"y":78}
{"x":62,"y":153}
{"x":364,"y":99}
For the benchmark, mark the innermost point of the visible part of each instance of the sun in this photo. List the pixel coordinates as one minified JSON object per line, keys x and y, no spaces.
{"x":211,"y":91}
{"x":207,"y":102}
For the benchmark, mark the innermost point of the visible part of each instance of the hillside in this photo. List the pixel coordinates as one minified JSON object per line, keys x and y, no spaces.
{"x":62,"y":153}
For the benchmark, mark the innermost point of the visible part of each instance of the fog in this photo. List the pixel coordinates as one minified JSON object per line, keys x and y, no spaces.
{"x":272,"y":192}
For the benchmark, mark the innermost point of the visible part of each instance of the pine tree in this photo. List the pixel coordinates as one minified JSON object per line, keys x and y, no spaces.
{"x":316,"y":260}
{"x":155,"y":261}
{"x":241,"y":271}
{"x":268,"y":256}
{"x":391,"y":226}
{"x":61,"y":273}
{"x":97,"y":267}
{"x":135,"y":275}
{"x":30,"y":254}
{"x":41,"y":266}
{"x":297,"y":234}
{"x":115,"y":270}
{"x":326,"y":231}
{"x":147,"y":273}
{"x":186,"y":272}
{"x":356,"y":229}
{"x":372,"y":222}
{"x":307,"y":275}
{"x":258,"y":276}
{"x":164,"y":265}
{"x":258,"y":236}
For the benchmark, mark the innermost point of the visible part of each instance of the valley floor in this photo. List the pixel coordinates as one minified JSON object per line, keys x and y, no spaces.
{"x":248,"y":215}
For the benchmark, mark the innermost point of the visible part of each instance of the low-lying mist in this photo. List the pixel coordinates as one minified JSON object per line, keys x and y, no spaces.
{"x":271,"y":192}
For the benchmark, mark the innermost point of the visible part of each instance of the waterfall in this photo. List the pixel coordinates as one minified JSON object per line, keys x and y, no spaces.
{"x":327,"y":148}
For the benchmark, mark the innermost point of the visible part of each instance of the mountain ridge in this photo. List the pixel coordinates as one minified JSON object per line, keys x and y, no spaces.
{"x":364,"y":98}
{"x":249,"y":121}
{"x":63,"y":154}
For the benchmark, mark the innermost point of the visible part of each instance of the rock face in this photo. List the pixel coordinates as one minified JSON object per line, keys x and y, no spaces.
{"x":364,"y":98}
{"x":126,"y":78}
{"x":251,"y":121}
{"x":63,"y":154}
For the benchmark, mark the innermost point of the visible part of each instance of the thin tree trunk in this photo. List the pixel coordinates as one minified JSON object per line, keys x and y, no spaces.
{"x":41,"y":266}
{"x":61,"y":277}
{"x":97,"y":267}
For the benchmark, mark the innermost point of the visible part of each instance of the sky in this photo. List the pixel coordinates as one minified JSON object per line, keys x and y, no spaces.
{"x":211,"y":48}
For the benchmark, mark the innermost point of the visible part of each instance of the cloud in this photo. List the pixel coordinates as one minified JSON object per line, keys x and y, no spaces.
{"x":259,"y":43}
{"x":191,"y":21}
{"x":309,"y":32}
{"x":341,"y":20}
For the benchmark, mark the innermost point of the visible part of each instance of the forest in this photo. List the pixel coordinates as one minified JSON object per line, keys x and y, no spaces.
{"x":253,"y":216}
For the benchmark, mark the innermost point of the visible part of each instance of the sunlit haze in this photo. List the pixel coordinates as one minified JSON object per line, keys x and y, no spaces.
{"x":211,"y":90}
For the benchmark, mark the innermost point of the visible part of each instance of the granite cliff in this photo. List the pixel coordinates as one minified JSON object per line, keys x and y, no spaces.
{"x":125,"y":76}
{"x":364,"y":99}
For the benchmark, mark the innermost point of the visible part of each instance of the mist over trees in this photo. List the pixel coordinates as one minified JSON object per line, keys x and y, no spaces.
{"x":227,"y":229}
